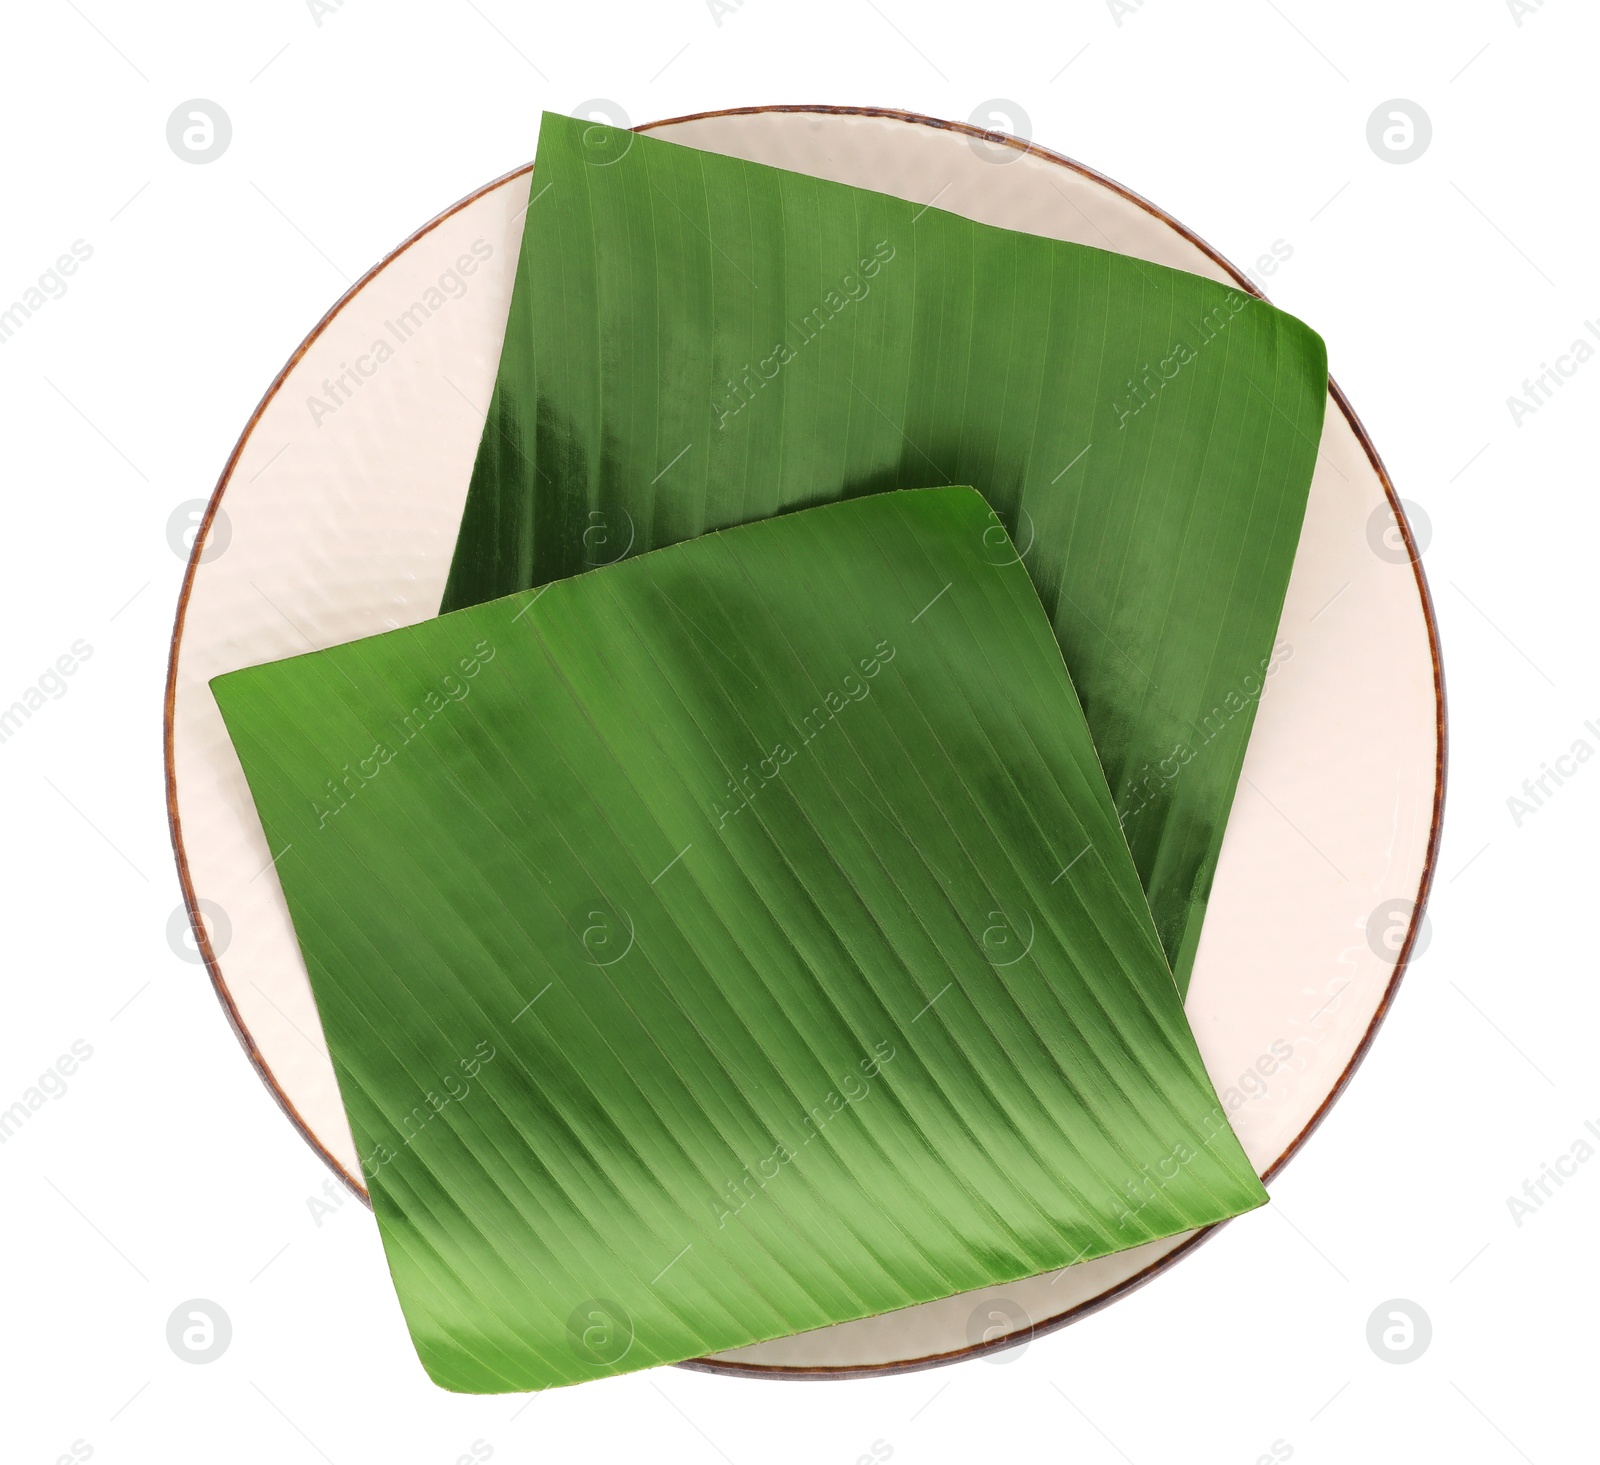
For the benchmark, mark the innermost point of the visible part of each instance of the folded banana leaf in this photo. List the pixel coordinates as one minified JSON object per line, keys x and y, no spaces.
{"x":696,"y":341}
{"x":732,"y":941}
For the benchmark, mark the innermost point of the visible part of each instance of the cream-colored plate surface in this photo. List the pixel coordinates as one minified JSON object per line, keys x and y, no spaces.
{"x":337,"y":516}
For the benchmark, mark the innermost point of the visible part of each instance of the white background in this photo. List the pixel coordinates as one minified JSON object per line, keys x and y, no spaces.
{"x":165,"y":1171}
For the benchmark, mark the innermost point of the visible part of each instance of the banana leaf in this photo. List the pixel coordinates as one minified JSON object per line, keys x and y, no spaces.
{"x":728,"y":942}
{"x":697,"y":341}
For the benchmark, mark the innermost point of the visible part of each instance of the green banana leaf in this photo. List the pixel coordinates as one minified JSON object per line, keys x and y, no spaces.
{"x":732,"y":941}
{"x":696,"y":341}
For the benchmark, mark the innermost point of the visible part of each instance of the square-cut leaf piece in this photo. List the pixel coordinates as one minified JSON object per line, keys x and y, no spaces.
{"x":728,"y":942}
{"x":697,"y":341}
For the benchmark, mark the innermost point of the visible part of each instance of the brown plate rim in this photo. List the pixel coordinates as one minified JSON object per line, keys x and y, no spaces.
{"x":1424,"y":886}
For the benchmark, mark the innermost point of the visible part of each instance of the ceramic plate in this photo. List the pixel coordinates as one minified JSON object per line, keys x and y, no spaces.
{"x":336,"y":517}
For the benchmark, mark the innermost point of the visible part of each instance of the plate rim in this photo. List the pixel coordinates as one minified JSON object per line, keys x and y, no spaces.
{"x":1419,"y":906}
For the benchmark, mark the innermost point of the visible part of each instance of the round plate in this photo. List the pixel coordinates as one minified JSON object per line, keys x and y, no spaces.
{"x":336,"y":516}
